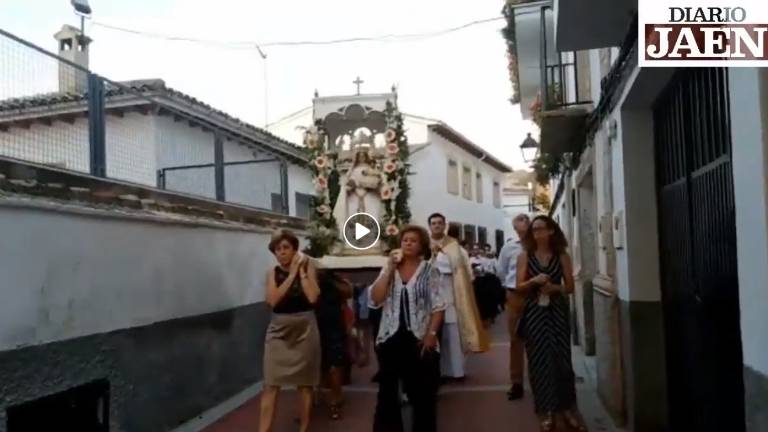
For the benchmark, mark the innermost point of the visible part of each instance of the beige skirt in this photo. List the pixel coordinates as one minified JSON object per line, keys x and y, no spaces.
{"x":292,"y":350}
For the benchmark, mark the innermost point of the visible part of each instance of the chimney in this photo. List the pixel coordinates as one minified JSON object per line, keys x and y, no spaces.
{"x":73,"y":46}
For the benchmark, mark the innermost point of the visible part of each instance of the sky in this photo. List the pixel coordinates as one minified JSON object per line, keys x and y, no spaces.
{"x":460,"y":78}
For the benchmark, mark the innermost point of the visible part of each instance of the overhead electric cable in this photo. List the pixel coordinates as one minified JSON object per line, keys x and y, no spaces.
{"x":251,"y":44}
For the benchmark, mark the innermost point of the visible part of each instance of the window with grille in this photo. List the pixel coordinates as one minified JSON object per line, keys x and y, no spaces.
{"x":277,"y":203}
{"x":302,"y":205}
{"x":466,"y":183}
{"x":453,"y":177}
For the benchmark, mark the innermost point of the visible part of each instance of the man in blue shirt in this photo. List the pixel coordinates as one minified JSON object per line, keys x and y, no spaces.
{"x":506,"y":269}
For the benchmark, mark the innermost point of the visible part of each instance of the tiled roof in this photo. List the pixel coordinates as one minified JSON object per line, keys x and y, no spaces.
{"x":149,"y":88}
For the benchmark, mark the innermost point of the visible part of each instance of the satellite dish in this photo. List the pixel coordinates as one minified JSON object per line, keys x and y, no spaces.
{"x":81,"y":6}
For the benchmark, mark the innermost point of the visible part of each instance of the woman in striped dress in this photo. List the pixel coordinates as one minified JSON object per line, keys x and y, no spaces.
{"x":545,"y":273}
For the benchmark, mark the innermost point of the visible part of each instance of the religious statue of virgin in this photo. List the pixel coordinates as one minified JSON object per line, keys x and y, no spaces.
{"x":359,"y":189}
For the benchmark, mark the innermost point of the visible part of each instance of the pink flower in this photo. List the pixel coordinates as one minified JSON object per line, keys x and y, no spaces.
{"x":390,"y":167}
{"x":392,"y":230}
{"x":390,"y":135}
{"x":321,"y":162}
{"x":392,"y":149}
{"x":321,"y":183}
{"x":386,"y":193}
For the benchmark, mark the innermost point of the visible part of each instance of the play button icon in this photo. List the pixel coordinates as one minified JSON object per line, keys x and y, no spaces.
{"x":361,"y":231}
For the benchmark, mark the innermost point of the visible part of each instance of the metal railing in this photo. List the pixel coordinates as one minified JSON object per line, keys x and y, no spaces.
{"x":55,"y":111}
{"x":559,"y":80}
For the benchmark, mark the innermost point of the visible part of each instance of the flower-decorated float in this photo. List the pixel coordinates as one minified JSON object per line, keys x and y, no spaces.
{"x":358,"y":156}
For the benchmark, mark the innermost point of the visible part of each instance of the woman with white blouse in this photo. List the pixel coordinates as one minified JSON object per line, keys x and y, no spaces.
{"x":413,"y":305}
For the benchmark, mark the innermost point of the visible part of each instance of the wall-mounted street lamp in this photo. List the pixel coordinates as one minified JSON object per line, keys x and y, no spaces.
{"x":529,"y":148}
{"x":83,"y":10}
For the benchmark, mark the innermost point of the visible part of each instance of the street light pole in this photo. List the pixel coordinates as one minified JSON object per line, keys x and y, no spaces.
{"x":266,"y":86}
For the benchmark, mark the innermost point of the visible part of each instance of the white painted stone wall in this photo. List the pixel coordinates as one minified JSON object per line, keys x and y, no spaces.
{"x":749,"y":132}
{"x":67,"y":275}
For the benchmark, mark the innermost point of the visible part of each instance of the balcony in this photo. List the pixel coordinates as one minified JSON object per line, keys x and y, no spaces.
{"x":564,"y":98}
{"x":551,"y":86}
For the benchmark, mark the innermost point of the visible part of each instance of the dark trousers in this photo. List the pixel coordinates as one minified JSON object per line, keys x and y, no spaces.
{"x":401,"y":360}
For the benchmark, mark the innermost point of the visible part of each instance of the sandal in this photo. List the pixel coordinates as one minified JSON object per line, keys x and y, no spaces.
{"x":335,"y":411}
{"x":574,"y":422}
{"x":547,"y":423}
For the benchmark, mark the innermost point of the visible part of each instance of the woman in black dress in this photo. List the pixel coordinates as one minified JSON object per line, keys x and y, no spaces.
{"x":545,"y":273}
{"x":334,"y":291}
{"x":292,"y":342}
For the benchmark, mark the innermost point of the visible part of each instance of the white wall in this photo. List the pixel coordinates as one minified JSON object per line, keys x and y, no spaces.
{"x":514,"y":203}
{"x":129,"y":141}
{"x":251,"y":184}
{"x":179,"y":144}
{"x":299,"y":180}
{"x":417,"y":129}
{"x":430,"y":194}
{"x":286,"y":128}
{"x":749,"y":132}
{"x":59,"y":143}
{"x":67,"y":275}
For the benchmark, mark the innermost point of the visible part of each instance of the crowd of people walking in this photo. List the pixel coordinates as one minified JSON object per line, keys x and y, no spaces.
{"x":429,"y":308}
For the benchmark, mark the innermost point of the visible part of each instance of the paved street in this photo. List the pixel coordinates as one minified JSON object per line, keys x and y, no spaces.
{"x":479,"y":404}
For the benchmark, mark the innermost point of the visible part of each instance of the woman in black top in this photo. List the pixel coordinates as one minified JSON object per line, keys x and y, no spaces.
{"x":292,"y":344}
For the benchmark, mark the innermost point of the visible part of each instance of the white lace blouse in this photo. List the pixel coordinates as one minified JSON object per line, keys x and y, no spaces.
{"x":425,"y":297}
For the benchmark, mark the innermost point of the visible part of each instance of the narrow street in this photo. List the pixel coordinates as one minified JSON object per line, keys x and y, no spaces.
{"x":479,"y":404}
